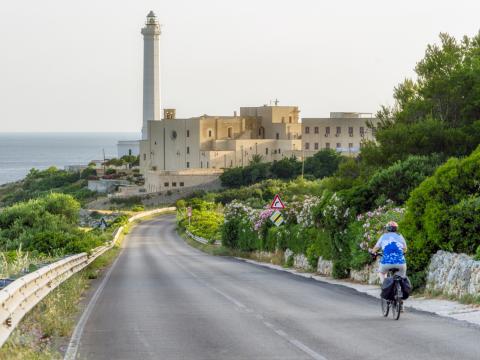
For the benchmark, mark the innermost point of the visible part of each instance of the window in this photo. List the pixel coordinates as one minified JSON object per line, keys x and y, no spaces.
{"x":188,"y":165}
{"x":316,"y":146}
{"x":283,"y":119}
{"x":188,"y":133}
{"x":130,"y":152}
{"x":144,"y":156}
{"x":278,"y":136}
{"x":350,"y":145}
{"x":307,"y":130}
{"x":374,"y":131}
{"x":290,"y":119}
{"x":316,"y":130}
{"x":362,"y":131}
{"x":209,"y":133}
{"x":174,"y":184}
{"x":165,"y":184}
{"x":230,"y":132}
{"x":350,"y":131}
{"x":327,"y":145}
{"x":327,"y":131}
{"x":266,"y":151}
{"x":339,"y":145}
{"x":188,"y":149}
{"x":339,"y":131}
{"x":279,"y":151}
{"x":207,"y":164}
{"x":182,"y":183}
{"x":201,"y":164}
{"x":307,"y":146}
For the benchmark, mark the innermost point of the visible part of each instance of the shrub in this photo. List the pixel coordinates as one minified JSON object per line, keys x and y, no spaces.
{"x":323,"y":163}
{"x":206,"y":224}
{"x":47,"y":225}
{"x":398,"y":180}
{"x":286,"y":168}
{"x":138,"y":207}
{"x":439,"y":213}
{"x":364,"y":232}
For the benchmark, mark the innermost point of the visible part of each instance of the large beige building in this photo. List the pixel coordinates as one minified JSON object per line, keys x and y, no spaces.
{"x":188,"y":152}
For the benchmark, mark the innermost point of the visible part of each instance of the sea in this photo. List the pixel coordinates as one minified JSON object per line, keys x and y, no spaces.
{"x":20,"y":152}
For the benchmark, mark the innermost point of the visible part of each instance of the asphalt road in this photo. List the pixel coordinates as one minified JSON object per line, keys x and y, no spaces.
{"x":166,"y":300}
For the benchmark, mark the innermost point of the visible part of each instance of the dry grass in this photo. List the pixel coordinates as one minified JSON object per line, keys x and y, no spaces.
{"x":49,"y":325}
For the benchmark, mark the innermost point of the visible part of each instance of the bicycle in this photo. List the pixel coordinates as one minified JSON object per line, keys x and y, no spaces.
{"x":396,"y":303}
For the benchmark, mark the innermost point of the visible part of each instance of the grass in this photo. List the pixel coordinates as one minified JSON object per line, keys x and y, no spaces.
{"x":467,"y":299}
{"x":48,"y":326}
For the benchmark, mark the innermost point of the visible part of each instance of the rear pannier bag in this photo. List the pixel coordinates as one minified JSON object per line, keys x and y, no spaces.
{"x":406,"y":288}
{"x":388,"y":288}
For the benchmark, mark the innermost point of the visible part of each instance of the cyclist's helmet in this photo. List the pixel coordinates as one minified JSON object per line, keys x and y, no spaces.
{"x":392,"y":226}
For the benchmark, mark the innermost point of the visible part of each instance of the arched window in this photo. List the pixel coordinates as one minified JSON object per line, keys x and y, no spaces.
{"x":230,"y":132}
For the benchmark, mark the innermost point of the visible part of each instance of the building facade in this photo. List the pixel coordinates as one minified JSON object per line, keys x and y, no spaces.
{"x":207,"y":144}
{"x":343,"y":132}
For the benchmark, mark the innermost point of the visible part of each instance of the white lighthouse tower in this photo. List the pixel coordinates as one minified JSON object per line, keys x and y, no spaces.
{"x":151,"y":72}
{"x":151,"y":84}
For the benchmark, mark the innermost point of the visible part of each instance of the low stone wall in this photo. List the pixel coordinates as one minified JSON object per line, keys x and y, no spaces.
{"x":324,"y":267}
{"x":369,"y":274}
{"x":299,"y":260}
{"x":454,"y":274}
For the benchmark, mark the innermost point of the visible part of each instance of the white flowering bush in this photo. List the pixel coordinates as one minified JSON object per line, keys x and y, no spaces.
{"x":367,"y":229}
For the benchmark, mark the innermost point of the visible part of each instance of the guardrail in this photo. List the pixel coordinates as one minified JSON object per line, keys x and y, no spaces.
{"x":19,"y":297}
{"x":200,"y":239}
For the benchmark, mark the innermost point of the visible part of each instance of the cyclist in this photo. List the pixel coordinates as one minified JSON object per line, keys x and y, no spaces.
{"x":393,"y":246}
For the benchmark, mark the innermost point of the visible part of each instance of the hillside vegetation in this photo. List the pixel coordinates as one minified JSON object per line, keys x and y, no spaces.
{"x":423,"y":172}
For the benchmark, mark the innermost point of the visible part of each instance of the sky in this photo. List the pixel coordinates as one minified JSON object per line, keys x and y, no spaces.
{"x":69,"y":65}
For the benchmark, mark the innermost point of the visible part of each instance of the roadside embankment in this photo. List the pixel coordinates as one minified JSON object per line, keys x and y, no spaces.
{"x":54,"y":291}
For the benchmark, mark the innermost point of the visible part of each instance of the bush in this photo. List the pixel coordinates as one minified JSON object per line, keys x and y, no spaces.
{"x":442,"y":213}
{"x":138,"y":207}
{"x":324,"y":163}
{"x":286,"y":168}
{"x":206,"y":224}
{"x":398,"y":180}
{"x":47,"y":225}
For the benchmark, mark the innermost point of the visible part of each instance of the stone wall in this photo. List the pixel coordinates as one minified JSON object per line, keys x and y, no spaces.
{"x":453,"y":274}
{"x":324,"y":267}
{"x":369,"y":274}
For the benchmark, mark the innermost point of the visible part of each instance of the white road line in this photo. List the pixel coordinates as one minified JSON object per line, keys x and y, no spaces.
{"x":72,"y":349}
{"x":299,"y":345}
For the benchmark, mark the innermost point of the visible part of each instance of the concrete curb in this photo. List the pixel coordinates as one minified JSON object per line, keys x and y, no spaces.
{"x":445,"y":308}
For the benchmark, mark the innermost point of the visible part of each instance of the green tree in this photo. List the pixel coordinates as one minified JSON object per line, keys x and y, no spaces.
{"x":286,"y":168}
{"x":438,"y":112}
{"x":324,"y":163}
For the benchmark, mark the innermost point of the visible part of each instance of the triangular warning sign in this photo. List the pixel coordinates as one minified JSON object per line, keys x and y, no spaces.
{"x":277,"y":203}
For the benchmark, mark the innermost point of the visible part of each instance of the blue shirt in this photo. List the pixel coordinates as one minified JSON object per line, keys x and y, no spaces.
{"x":392,"y":245}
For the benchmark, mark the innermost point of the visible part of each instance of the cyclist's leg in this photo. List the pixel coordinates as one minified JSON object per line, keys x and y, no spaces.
{"x":382,"y":272}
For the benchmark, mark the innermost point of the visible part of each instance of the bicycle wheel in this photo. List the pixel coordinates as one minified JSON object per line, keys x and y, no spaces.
{"x":385,"y":307}
{"x":396,"y":304}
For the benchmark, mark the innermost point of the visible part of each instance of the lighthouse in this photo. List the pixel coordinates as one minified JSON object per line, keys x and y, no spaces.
{"x":151,"y":72}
